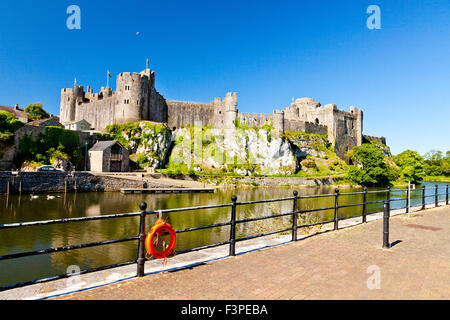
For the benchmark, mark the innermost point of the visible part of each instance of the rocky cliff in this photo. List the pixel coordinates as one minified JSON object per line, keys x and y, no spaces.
{"x":246,"y":152}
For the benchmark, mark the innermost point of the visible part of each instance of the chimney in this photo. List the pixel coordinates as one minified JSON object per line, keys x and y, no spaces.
{"x":16,"y":107}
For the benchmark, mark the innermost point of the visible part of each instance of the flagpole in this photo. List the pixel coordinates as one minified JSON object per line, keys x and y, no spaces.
{"x":107,"y":79}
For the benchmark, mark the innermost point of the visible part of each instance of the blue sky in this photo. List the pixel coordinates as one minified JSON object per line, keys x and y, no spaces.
{"x":267,"y":51}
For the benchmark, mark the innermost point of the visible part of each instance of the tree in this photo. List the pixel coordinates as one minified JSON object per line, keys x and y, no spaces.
{"x":55,"y":143}
{"x":411,"y":165}
{"x":36,"y":111}
{"x":436,"y":164}
{"x":8,"y":125}
{"x":370,"y":167}
{"x":434,"y":157}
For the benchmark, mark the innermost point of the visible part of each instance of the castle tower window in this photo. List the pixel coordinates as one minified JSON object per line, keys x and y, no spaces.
{"x":317,"y":120}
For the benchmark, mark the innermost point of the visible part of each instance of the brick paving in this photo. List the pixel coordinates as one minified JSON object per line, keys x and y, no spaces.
{"x":331,"y":265}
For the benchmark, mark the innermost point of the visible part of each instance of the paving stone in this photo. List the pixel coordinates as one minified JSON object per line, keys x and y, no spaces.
{"x":331,"y":265}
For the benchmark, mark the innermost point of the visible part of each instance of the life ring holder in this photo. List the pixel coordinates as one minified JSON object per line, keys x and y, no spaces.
{"x":160,"y":228}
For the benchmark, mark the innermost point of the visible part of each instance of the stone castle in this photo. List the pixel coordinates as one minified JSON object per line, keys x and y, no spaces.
{"x":136,"y":99}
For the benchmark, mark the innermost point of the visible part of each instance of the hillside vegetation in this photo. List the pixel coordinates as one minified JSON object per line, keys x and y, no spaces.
{"x":210,"y":151}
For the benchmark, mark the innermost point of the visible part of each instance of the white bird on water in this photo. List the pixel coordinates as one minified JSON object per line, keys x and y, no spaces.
{"x":34,"y":197}
{"x":50,"y":197}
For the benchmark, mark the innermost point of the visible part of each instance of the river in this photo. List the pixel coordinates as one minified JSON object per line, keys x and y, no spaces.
{"x":23,"y":208}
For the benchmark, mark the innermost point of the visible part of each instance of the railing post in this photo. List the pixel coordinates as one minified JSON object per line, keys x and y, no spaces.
{"x":233,"y":227}
{"x":294,"y":217}
{"x":423,"y":198}
{"x":141,"y":246}
{"x":336,"y":204}
{"x":388,"y":195}
{"x":446,"y":195}
{"x":436,"y":196}
{"x":364,"y":218}
{"x":386,"y":213}
{"x":407,"y":198}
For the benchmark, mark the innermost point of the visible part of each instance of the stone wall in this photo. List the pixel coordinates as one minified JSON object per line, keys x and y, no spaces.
{"x":158,"y":107}
{"x":189,"y":113}
{"x":253,"y":119}
{"x":99,"y":113}
{"x":40,"y":182}
{"x":372,"y":138}
{"x":95,"y":161}
{"x":304,"y":126}
{"x":6,"y":162}
{"x":7,"y":157}
{"x":291,"y":181}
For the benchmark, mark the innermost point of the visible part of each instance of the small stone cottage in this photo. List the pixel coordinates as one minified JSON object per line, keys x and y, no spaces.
{"x":79,"y":125}
{"x":108,"y":156}
{"x":52,"y":121}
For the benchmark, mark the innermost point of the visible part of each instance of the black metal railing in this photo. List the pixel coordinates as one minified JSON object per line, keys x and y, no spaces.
{"x":232,"y":223}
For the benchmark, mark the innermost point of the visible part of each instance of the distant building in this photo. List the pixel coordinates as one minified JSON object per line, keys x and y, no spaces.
{"x":108,"y":156}
{"x":80,"y":125}
{"x":17,"y":112}
{"x":52,"y":121}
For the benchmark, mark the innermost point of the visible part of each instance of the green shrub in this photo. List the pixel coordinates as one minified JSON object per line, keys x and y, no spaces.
{"x":411,"y":166}
{"x":55,"y":143}
{"x":370,"y":167}
{"x":8,"y":125}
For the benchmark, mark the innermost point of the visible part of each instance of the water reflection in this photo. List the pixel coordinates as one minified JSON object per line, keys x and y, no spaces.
{"x":23,"y":208}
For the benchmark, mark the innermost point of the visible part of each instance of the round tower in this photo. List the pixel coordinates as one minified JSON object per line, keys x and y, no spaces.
{"x":66,"y":108}
{"x":358,"y":124}
{"x":131,"y":101}
{"x":278,"y":121}
{"x":231,"y":111}
{"x":69,"y":100}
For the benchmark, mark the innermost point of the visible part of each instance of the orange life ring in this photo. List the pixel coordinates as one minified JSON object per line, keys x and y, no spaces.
{"x":159,"y":229}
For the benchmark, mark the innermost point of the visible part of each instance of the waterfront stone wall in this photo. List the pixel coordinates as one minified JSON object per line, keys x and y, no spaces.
{"x":288,"y":181}
{"x":39,"y":182}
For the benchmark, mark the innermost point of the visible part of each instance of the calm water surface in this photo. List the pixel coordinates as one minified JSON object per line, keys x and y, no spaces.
{"x":22,"y":209}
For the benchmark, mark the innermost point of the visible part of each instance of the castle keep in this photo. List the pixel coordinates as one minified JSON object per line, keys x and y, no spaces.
{"x":136,"y":99}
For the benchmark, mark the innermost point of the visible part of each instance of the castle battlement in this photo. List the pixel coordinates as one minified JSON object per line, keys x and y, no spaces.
{"x":66,"y":90}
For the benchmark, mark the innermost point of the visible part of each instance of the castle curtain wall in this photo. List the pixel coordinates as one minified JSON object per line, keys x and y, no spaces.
{"x":304,"y":126}
{"x":98,"y":113}
{"x":188,"y":113}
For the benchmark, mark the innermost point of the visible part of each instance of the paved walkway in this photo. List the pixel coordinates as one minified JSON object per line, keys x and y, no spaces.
{"x":332,"y":265}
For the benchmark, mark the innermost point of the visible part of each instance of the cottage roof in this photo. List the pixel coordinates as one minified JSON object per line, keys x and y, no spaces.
{"x":39,"y":122}
{"x":15,"y":111}
{"x":103,"y":145}
{"x":77,"y":121}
